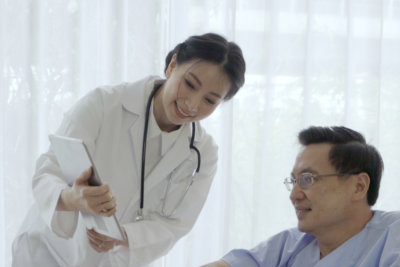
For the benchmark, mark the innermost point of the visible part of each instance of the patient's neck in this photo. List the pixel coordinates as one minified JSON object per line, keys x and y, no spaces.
{"x":339,"y":233}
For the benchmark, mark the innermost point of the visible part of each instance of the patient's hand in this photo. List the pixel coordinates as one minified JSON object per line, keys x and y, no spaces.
{"x":219,"y":263}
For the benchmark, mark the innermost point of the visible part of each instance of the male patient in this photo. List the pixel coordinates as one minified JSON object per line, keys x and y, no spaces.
{"x":334,"y":183}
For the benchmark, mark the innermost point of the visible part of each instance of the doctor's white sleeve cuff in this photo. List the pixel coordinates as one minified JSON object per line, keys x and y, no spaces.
{"x":62,"y":223}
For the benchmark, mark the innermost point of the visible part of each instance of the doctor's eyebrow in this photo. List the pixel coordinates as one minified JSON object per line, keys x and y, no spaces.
{"x":195,"y":77}
{"x":215,"y":94}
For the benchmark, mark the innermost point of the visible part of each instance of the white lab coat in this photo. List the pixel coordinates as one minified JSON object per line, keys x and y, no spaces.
{"x":110,"y":120}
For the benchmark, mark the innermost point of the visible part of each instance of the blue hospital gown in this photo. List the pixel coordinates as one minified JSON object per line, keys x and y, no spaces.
{"x":377,"y":245}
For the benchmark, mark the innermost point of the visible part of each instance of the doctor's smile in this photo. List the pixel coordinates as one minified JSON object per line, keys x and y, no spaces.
{"x":182,"y":114}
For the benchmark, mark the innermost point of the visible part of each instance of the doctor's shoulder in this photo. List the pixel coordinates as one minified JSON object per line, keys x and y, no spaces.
{"x":108,"y":97}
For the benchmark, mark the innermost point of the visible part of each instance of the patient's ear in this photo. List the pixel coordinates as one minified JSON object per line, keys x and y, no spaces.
{"x":361,"y":186}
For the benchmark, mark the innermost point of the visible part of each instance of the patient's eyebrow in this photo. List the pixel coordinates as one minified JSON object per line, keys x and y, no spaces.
{"x":309,"y":170}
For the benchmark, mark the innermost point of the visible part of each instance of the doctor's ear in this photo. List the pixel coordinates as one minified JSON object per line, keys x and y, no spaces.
{"x":171,"y":66}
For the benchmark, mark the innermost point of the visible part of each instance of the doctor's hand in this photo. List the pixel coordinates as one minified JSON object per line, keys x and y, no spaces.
{"x":91,"y":199}
{"x":103,"y":243}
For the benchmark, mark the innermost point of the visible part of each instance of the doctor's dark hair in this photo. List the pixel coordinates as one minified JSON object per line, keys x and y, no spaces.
{"x":349,"y":154}
{"x":216,"y":49}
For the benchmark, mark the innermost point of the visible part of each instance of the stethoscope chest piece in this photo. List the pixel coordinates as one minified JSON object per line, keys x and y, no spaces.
{"x":139,"y":216}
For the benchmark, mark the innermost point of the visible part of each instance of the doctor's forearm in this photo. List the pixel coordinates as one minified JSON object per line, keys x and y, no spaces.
{"x":64,"y":201}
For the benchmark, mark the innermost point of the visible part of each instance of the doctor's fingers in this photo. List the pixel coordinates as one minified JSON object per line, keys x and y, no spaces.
{"x":100,"y":239}
{"x":106,"y":208}
{"x":92,"y":191}
{"x":98,"y":205}
{"x":96,"y":200}
{"x":84,"y":177}
{"x":106,"y":201}
{"x":107,"y":213}
{"x":101,"y":246}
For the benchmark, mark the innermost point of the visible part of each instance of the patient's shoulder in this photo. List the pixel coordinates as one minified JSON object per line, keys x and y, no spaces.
{"x":384,"y":219}
{"x":291,"y":239}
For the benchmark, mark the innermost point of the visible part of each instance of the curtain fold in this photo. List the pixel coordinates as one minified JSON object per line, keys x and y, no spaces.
{"x":309,"y":62}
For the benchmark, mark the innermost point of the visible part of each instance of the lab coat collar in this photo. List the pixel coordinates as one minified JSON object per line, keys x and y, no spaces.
{"x":134,"y":99}
{"x":178,"y":152}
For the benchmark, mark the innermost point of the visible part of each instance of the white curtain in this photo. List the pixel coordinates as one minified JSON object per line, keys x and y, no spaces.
{"x":315,"y":62}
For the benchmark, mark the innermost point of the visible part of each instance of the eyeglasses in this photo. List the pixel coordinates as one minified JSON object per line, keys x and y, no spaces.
{"x":306,"y":179}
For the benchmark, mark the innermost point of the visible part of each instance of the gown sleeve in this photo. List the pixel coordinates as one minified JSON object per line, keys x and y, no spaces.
{"x":82,"y":121}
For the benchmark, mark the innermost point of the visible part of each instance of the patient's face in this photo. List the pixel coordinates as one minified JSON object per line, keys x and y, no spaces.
{"x":325,"y":205}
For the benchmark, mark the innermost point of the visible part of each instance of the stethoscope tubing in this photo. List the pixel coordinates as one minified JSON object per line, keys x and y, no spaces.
{"x":144,"y":145}
{"x":143,"y":165}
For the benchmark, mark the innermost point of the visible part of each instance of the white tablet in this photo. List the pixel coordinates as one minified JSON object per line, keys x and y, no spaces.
{"x":74,"y":158}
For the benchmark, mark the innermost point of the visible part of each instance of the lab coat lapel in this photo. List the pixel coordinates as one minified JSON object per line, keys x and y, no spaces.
{"x":136,"y":133}
{"x":135,"y":102}
{"x":171,"y":159}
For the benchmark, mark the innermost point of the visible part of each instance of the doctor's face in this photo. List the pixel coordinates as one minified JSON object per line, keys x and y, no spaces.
{"x":193,"y":90}
{"x":324,"y":207}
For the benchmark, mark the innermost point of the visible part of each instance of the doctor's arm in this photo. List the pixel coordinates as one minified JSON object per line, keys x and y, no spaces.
{"x":81,"y":196}
{"x":51,"y":191}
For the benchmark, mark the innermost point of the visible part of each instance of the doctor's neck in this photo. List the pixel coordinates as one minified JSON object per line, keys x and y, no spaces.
{"x":160,"y":114}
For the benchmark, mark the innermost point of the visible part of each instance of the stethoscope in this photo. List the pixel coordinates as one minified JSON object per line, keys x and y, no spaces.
{"x":139,"y":215}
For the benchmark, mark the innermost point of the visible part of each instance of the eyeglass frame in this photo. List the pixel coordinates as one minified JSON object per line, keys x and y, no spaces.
{"x":288,"y":181}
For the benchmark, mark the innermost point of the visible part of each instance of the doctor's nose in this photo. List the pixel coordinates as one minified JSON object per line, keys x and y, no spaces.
{"x":192,"y":105}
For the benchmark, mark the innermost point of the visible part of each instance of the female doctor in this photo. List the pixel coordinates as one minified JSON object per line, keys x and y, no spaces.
{"x":155,"y":160}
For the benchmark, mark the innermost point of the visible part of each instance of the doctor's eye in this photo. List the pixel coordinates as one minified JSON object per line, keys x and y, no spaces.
{"x":210,"y":101}
{"x":189,"y":84}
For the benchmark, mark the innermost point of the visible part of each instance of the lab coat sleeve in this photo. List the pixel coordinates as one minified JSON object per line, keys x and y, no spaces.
{"x":154,"y":237}
{"x":81,"y":122}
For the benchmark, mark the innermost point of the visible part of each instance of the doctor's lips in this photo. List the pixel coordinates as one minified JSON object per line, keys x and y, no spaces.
{"x":183,"y":114}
